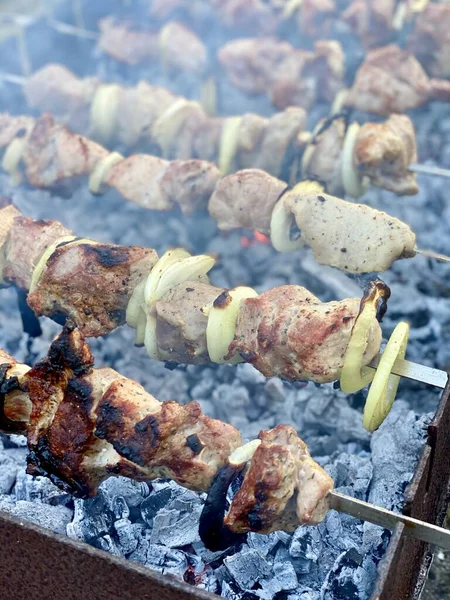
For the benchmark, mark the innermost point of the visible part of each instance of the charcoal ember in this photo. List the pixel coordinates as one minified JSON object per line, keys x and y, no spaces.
{"x":206,"y":555}
{"x":8,"y":473}
{"x":155,"y":502}
{"x":284,"y":571}
{"x":108,"y":544}
{"x":263,"y":543}
{"x":174,"y":529}
{"x":275,"y":390}
{"x":128,"y":534}
{"x":55,"y":518}
{"x":352,"y":471}
{"x":92,"y":519}
{"x":133,"y":492}
{"x":39,"y":489}
{"x":348,"y":578}
{"x":166,"y":560}
{"x":247,"y":568}
{"x":307,"y":543}
{"x":231,"y":402}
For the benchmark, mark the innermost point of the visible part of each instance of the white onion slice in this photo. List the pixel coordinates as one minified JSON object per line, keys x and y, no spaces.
{"x":135,"y":304}
{"x":188,"y":269}
{"x":229,"y":143}
{"x":101,"y":171}
{"x":13,"y":156}
{"x":221,"y":325}
{"x":281,"y":223}
{"x":339,"y":102}
{"x":141,"y":323}
{"x":150,"y":341}
{"x":104,"y":107}
{"x":244,"y":454}
{"x":167,"y":126}
{"x":155,"y":275}
{"x":353,"y":183}
{"x":40,"y":266}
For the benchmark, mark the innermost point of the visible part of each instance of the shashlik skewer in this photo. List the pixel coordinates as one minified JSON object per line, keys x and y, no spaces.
{"x":52,"y":156}
{"x":179,"y":128}
{"x":117,"y":428}
{"x":181,"y":318}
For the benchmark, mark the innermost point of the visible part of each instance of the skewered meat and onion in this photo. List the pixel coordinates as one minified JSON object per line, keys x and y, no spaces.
{"x":117,"y":428}
{"x":285,"y":331}
{"x":175,"y":46}
{"x":52,"y":156}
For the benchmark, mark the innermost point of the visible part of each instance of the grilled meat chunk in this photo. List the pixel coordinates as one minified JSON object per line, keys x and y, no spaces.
{"x":69,"y":285}
{"x":371,"y":20}
{"x":430,"y":39}
{"x":246,"y":199}
{"x":175,"y":46}
{"x":291,"y":77}
{"x":290,"y":333}
{"x":384,"y":151}
{"x":26,"y":242}
{"x":327,"y":225}
{"x":392,"y":80}
{"x":181,"y":322}
{"x":283,"y":488}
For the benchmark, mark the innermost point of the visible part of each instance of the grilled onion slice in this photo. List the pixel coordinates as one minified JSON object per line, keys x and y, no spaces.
{"x":282,"y":221}
{"x":384,"y":385}
{"x":229,"y":143}
{"x":355,"y":376}
{"x":221,"y":325}
{"x":354,"y":185}
{"x":13,"y":156}
{"x":101,"y":171}
{"x":104,"y":107}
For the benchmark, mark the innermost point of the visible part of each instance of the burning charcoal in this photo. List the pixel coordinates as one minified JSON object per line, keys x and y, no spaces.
{"x":133,"y":492}
{"x":263,"y":543}
{"x":206,"y":555}
{"x":143,"y":545}
{"x":353,"y":471}
{"x":166,"y":561}
{"x":231,"y":402}
{"x":305,"y":594}
{"x":306,"y":543}
{"x":247,"y":568}
{"x":128,"y":535}
{"x":107,"y":544}
{"x":347,"y":579}
{"x":275,"y":390}
{"x":285,"y":575}
{"x":39,"y":489}
{"x":55,"y":518}
{"x":8,"y":472}
{"x":175,"y":531}
{"x":157,"y":500}
{"x":92,"y":519}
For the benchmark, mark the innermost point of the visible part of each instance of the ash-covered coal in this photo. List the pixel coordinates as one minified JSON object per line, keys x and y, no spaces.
{"x":156,"y":524}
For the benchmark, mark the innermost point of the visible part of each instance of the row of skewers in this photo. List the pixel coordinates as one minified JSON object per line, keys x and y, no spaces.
{"x":118,"y":427}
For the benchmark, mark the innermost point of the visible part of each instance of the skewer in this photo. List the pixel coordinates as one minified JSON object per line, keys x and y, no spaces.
{"x":415,"y":372}
{"x":430,"y":170}
{"x":432,"y":254}
{"x":426,"y":532}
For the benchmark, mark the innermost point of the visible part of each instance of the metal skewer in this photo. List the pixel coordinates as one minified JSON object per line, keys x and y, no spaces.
{"x":430,"y":170}
{"x":426,"y":532}
{"x":416,"y":372}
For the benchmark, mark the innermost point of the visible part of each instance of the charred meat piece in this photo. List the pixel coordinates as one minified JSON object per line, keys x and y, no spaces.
{"x":283,"y":488}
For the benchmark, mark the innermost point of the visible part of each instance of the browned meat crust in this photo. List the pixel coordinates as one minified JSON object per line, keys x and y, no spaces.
{"x":117,"y":428}
{"x":277,"y":492}
{"x":384,"y":151}
{"x":69,"y":285}
{"x":288,"y":332}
